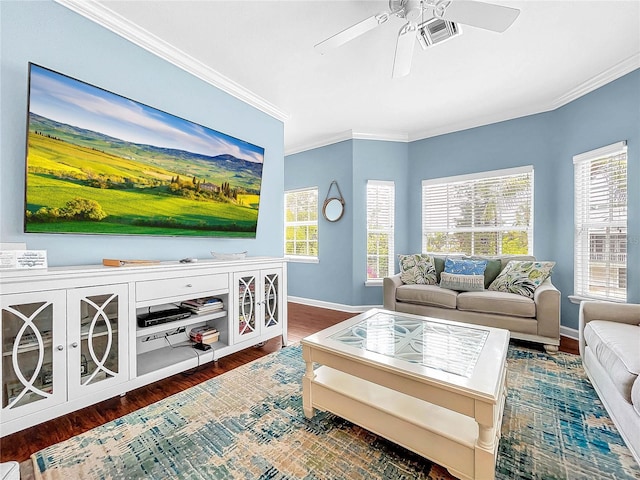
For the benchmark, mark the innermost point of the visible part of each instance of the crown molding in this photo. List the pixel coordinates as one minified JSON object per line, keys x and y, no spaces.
{"x":320,"y":142}
{"x":107,"y":18}
{"x":384,"y":137}
{"x":346,"y":135}
{"x":476,"y":122}
{"x":101,"y":15}
{"x":619,"y":70}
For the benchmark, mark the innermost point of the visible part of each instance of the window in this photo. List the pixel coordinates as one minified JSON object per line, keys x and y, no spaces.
{"x":380,"y":218}
{"x":489,"y":213}
{"x":301,"y":223}
{"x":600,"y":206}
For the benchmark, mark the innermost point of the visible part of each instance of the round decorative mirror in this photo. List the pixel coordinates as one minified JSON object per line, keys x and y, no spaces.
{"x":333,"y":209}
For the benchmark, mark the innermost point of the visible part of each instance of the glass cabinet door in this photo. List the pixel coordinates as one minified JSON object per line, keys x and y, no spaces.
{"x":246,"y":326}
{"x":271,"y":302}
{"x":33,"y":358}
{"x":97,"y":333}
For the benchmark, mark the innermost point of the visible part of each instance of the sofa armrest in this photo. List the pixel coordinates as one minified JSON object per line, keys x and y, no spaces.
{"x":547,"y":300}
{"x":609,"y":311}
{"x":389,"y":286}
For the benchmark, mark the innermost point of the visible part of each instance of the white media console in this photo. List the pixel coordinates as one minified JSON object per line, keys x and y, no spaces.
{"x":70,"y":337}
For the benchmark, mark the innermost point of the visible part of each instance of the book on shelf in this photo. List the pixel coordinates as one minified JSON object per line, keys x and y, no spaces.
{"x":204,"y":334}
{"x":203,"y":305}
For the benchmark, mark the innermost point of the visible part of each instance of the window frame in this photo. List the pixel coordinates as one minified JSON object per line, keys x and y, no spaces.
{"x":388,"y":228}
{"x":472,"y":181}
{"x":600,"y":258}
{"x":313,"y":222}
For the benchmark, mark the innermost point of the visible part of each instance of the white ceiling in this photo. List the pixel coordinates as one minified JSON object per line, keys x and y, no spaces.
{"x":262,"y":52}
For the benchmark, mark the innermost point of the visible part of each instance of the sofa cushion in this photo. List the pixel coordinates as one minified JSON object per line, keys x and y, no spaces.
{"x":417,"y":269}
{"x":615,"y":345}
{"x":438,"y":261}
{"x":495,"y":264}
{"x":465,"y":266}
{"x":522,"y":277}
{"x":431,"y":295}
{"x":462,"y":283}
{"x":500,"y":303}
{"x":491,"y":271}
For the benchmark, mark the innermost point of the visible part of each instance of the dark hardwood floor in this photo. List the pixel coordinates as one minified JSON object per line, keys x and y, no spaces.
{"x":302,"y":321}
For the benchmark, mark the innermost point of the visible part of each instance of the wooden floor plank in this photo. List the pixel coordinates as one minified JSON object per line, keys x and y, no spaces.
{"x":303,"y":320}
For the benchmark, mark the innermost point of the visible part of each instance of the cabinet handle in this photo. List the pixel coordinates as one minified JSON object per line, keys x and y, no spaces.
{"x":188,"y":285}
{"x":60,"y":347}
{"x":74,"y":344}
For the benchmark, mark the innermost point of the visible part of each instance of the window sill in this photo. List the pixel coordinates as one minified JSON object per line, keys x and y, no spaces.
{"x":377,"y":282}
{"x":293,"y":259}
{"x":577,"y":299}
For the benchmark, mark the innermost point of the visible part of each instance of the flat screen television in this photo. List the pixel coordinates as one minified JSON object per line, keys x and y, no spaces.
{"x":100,"y":163}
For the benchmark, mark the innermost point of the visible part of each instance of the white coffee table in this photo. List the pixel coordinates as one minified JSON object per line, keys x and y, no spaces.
{"x":434,"y":386}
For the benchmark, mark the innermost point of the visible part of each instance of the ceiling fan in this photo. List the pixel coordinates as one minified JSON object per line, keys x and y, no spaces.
{"x":429,"y":22}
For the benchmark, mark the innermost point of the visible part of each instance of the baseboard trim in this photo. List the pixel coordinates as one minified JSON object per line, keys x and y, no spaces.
{"x":332,"y":306}
{"x":569,"y":332}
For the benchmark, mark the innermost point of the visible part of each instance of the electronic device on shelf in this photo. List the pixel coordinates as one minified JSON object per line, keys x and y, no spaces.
{"x":162,"y":316}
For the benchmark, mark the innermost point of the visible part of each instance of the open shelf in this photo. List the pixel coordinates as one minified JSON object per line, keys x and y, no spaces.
{"x":192,"y":320}
{"x":181,"y":355}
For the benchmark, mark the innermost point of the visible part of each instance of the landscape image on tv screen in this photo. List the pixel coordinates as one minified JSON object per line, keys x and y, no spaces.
{"x":100,"y":163}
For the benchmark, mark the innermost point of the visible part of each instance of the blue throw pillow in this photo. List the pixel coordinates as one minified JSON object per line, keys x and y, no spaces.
{"x":465,"y":267}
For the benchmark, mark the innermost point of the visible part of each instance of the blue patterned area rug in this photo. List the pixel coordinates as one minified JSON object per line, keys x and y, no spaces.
{"x":249,"y":424}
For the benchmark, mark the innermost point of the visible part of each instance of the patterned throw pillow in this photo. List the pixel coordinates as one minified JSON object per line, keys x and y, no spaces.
{"x":522,"y":277}
{"x":494,"y":265}
{"x":464,"y":266}
{"x":462,"y":283}
{"x":417,"y":268}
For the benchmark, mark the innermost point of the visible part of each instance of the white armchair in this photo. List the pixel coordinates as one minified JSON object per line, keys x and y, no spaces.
{"x":610,"y":351}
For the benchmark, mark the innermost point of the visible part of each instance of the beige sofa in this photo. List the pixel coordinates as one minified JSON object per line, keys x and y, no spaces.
{"x":536,"y":320}
{"x":610,"y":351}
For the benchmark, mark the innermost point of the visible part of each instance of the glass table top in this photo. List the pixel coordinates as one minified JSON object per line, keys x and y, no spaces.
{"x":450,"y":348}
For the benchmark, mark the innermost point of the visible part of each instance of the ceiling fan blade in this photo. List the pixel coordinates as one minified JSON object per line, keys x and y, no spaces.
{"x":404,"y":50}
{"x":352,"y":32}
{"x":482,"y":15}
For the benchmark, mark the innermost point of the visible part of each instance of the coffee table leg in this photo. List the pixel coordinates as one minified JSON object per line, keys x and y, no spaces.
{"x":309,"y":375}
{"x":485,"y":455}
{"x":485,"y":437}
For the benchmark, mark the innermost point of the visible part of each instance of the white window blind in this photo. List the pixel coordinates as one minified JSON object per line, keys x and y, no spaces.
{"x":600,"y":206}
{"x":301,"y":223}
{"x":380,"y":218}
{"x":489,"y":213}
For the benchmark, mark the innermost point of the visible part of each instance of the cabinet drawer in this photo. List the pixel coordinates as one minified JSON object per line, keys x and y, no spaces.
{"x":172,"y":287}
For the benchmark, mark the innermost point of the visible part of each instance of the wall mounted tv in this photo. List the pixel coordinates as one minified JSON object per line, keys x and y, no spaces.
{"x":100,"y":163}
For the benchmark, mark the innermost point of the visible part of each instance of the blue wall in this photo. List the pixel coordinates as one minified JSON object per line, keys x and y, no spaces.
{"x":339,"y":276}
{"x":376,"y":160}
{"x":547,"y":141}
{"x":330,"y":278}
{"x":605,"y":116}
{"x":50,"y":35}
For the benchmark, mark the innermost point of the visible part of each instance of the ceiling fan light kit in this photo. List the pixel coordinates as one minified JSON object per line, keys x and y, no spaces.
{"x":437,"y":30}
{"x":429,"y":22}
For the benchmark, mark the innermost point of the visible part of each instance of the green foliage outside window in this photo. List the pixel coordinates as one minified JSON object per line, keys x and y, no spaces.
{"x":378,"y":258}
{"x":490,"y":216}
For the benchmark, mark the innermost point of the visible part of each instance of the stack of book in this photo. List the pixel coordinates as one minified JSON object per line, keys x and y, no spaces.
{"x":203,"y":305}
{"x":204,"y":334}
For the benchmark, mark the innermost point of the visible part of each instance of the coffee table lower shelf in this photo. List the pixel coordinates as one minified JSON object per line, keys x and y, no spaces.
{"x":445,"y":437}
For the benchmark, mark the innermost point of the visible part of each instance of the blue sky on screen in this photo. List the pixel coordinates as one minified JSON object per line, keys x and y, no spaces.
{"x":72,"y":102}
